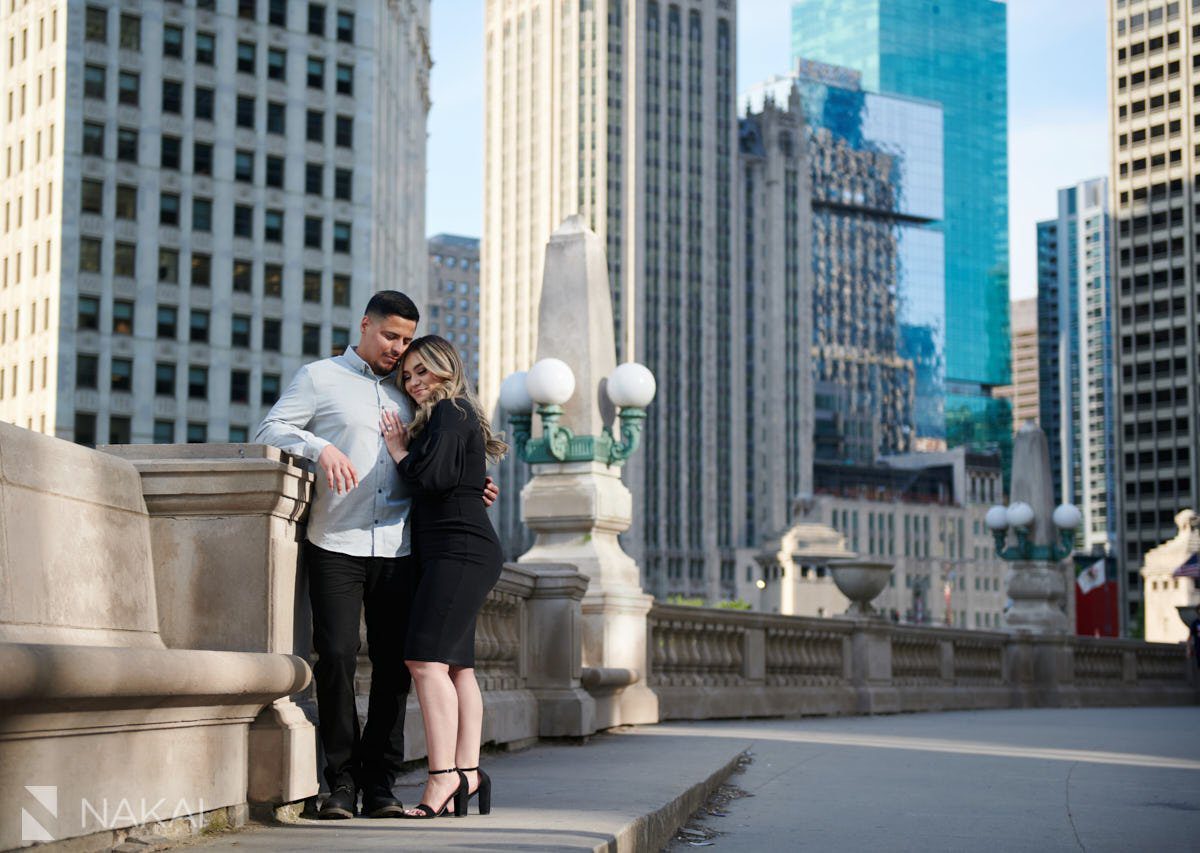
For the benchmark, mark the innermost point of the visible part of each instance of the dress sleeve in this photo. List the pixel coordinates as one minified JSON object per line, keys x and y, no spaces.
{"x":436,"y":464}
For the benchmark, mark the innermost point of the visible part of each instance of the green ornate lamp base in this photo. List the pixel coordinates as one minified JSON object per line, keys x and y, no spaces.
{"x":559,"y":444}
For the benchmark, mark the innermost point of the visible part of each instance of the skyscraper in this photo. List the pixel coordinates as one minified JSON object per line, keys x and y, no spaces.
{"x":198,"y":198}
{"x":450,"y":307}
{"x":624,"y":113}
{"x":952,"y":52}
{"x":1154,"y":65}
{"x":1050,"y":349}
{"x":1024,"y":389}
{"x":877,"y":256}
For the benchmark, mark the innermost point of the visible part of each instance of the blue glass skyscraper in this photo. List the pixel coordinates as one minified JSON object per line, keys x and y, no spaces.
{"x":952,"y":52}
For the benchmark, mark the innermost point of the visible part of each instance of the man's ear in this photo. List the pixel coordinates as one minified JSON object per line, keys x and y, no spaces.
{"x":366,"y":321}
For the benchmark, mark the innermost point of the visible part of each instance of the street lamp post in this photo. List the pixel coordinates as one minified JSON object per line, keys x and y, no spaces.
{"x":1034,"y":539}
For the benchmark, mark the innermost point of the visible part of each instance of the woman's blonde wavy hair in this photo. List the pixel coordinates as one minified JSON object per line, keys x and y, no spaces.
{"x":443,"y":361}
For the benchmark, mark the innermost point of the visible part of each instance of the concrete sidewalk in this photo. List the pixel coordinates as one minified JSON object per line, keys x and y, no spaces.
{"x":1121,"y":779}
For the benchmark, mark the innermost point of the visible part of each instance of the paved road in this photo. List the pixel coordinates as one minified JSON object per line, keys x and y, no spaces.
{"x":1033,"y":780}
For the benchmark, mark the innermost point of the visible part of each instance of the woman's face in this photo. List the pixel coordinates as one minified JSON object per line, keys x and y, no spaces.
{"x":418,"y":380}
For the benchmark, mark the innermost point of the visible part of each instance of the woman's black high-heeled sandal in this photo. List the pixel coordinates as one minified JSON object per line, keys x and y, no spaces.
{"x":484,"y":790}
{"x":459,"y":797}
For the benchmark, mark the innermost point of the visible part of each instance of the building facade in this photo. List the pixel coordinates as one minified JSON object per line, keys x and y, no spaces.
{"x":1025,"y":374}
{"x":624,"y":113}
{"x":1153,"y":119}
{"x":1049,"y":348}
{"x":952,"y":53}
{"x":877,"y":257}
{"x":198,"y":199}
{"x":451,"y":303}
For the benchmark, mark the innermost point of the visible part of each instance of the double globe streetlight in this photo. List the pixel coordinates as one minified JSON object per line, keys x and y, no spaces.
{"x":1020,"y":517}
{"x":549,"y":384}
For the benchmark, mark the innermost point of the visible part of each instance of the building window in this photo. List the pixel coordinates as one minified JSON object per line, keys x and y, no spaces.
{"x":312,"y":286}
{"x":198,"y":327}
{"x":169,"y":153}
{"x":127,"y":144}
{"x":242,"y":275}
{"x":124,"y":259}
{"x":198,"y":383}
{"x":239,"y":331}
{"x":93,"y":139}
{"x":85,"y":429}
{"x":343,"y":180}
{"x":173,"y":41}
{"x":168,"y":322}
{"x":91,"y":196}
{"x":168,"y":266}
{"x":121,"y":375}
{"x":270,"y":389}
{"x":312,"y":232}
{"x":95,"y":82}
{"x":206,"y":48}
{"x":276,"y":117}
{"x":89,"y":254}
{"x":272,"y":280}
{"x":248,"y":9}
{"x":243,"y":221}
{"x":204,"y":103}
{"x":245,"y":112}
{"x":164,"y":432}
{"x":339,"y":340}
{"x":245,"y":57}
{"x":202,"y":158}
{"x":243,"y":166}
{"x":172,"y":97}
{"x":345,"y":26}
{"x":168,"y":209}
{"x":273,"y":226}
{"x":344,"y":135}
{"x":202,"y":214}
{"x":239,"y":386}
{"x":126,"y":202}
{"x":310,"y":343}
{"x":316,"y":19}
{"x":95,"y":25}
{"x":122,"y":317}
{"x":87,"y":315}
{"x":277,"y":13}
{"x":314,"y":126}
{"x":201,"y":270}
{"x":341,"y":290}
{"x":127,"y":88}
{"x":196,"y":433}
{"x":275,"y":172}
{"x":87,"y":371}
{"x":276,"y":64}
{"x":316,"y":73}
{"x":272,"y":333}
{"x":341,"y":237}
{"x":313,"y":178}
{"x":131,"y":32}
{"x":164,"y":379}
{"x":239,"y":434}
{"x":345,"y":79}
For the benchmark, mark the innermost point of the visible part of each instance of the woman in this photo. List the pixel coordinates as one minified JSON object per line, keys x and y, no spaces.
{"x":442,"y":454}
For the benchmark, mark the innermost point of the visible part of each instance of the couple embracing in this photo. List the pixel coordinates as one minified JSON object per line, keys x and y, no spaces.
{"x":398,"y":531}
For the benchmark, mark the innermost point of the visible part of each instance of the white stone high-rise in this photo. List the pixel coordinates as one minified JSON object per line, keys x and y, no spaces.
{"x":624,"y":111}
{"x":198,"y":198}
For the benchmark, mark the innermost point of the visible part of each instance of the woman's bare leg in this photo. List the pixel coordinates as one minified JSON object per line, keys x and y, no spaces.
{"x":439,"y":707}
{"x":470,"y":721}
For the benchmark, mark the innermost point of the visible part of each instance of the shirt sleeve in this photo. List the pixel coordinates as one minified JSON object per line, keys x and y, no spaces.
{"x":436,"y":464}
{"x":286,"y":425}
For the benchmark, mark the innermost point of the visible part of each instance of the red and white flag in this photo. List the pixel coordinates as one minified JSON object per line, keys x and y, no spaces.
{"x":1092,"y":577}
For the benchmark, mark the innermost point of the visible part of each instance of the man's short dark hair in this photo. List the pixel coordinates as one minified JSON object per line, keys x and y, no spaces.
{"x":392,"y":303}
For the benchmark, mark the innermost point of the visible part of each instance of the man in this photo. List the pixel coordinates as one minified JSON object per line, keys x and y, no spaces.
{"x":357,"y":553}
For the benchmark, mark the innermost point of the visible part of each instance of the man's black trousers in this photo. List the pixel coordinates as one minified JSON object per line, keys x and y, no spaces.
{"x":341,"y":587}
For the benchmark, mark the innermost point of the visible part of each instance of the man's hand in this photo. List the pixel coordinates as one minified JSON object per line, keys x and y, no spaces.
{"x":339,"y":473}
{"x":490,"y":491}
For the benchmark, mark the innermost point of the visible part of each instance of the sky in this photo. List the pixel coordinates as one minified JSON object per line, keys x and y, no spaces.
{"x":1057,"y":125}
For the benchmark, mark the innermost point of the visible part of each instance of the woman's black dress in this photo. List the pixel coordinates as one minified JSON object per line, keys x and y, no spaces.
{"x":453,"y":542}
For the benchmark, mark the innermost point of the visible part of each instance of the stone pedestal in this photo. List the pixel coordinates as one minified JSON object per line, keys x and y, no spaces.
{"x":1039,"y":588}
{"x":225,"y":535}
{"x":577,"y":510}
{"x":871,"y":667}
{"x":554,"y":658}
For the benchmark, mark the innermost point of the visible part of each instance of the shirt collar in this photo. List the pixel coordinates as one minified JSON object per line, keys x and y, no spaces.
{"x":355,"y":363}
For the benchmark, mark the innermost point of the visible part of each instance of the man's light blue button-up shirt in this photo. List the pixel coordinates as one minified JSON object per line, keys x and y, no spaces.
{"x":339,"y":401}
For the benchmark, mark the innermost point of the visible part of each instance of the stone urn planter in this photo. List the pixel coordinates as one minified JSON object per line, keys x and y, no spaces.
{"x":860,"y":581}
{"x":1187,"y":613}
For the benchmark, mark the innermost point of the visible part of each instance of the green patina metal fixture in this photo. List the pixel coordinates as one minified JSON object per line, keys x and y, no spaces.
{"x":548,"y":385}
{"x":1019,"y":516}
